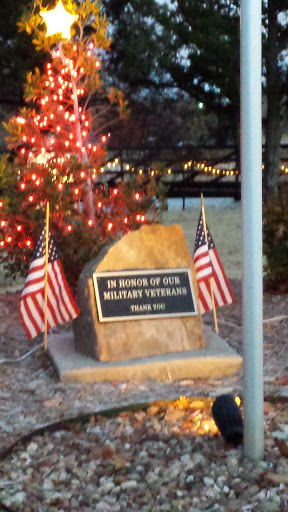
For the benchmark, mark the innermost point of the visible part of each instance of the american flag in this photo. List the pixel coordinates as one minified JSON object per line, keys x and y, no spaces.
{"x":210,"y":272}
{"x":61,"y":306}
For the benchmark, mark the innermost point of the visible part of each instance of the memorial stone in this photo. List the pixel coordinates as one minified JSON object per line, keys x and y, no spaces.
{"x":153,"y":250}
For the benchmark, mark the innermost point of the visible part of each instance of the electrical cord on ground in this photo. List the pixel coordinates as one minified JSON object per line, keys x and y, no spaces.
{"x":266,"y":321}
{"x":16,"y":359}
{"x":275,"y":319}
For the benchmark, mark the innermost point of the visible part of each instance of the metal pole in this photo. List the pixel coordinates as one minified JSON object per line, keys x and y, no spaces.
{"x":251,"y":188}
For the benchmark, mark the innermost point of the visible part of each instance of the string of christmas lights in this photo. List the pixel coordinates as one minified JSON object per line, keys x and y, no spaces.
{"x":114,"y":165}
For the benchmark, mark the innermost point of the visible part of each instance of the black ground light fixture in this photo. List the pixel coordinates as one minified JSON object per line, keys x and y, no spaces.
{"x":228,"y":418}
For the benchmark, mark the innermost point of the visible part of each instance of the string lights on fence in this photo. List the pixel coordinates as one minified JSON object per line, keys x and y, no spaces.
{"x":284,"y":169}
{"x":8,"y":234}
{"x":192,"y":165}
{"x":210,"y":169}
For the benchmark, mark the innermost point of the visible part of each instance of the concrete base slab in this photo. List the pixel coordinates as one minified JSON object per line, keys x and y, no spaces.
{"x":216,"y":360}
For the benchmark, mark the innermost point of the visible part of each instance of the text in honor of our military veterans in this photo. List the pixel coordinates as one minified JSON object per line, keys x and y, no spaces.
{"x":138,"y":294}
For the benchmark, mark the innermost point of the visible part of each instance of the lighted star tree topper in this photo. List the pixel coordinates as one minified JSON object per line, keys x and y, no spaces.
{"x":58,"y":21}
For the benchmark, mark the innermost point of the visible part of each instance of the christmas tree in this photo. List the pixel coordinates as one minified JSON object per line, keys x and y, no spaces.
{"x":58,"y":142}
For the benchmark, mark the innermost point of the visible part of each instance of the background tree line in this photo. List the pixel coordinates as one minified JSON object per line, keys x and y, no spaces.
{"x":170,"y":59}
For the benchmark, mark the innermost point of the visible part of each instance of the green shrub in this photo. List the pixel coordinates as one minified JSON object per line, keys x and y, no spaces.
{"x":275,"y":244}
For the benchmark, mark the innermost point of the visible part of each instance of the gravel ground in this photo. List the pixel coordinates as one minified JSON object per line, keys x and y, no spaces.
{"x":150,"y":459}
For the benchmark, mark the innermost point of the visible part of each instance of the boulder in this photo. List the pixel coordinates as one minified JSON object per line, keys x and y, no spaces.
{"x":151,"y":247}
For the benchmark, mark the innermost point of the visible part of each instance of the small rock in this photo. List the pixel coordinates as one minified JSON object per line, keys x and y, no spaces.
{"x":198,"y":458}
{"x":32,"y":448}
{"x":111,"y":499}
{"x":115,"y":508}
{"x":140,"y":469}
{"x":270,"y":506}
{"x":62,"y":476}
{"x":158,"y":469}
{"x":155,"y":424}
{"x":26,"y":457}
{"x":106,"y":487}
{"x":134,"y":476}
{"x":261,"y":496}
{"x":140,"y":415}
{"x":151,"y":478}
{"x":221,"y":481}
{"x":189,"y":481}
{"x":208,"y":481}
{"x":233,"y":465}
{"x":223,"y":391}
{"x":276,"y":478}
{"x":279,"y":434}
{"x":284,"y":391}
{"x":19,"y":497}
{"x":173,"y":470}
{"x":48,"y":484}
{"x":110,"y":446}
{"x":173,"y":415}
{"x":119,"y":479}
{"x":268,"y":408}
{"x":283,"y":447}
{"x":151,"y":411}
{"x":251,"y":490}
{"x":255,"y":474}
{"x":186,"y":382}
{"x":102,"y":506}
{"x":116,"y":489}
{"x":238,"y":485}
{"x":75,"y":482}
{"x":186,"y":460}
{"x":262,"y":464}
{"x":235,"y":505}
{"x":129,"y":484}
{"x":211,"y":493}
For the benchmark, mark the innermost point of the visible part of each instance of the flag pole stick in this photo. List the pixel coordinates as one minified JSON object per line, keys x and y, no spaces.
{"x":211,"y":289}
{"x":214,"y":309}
{"x":46,"y":274}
